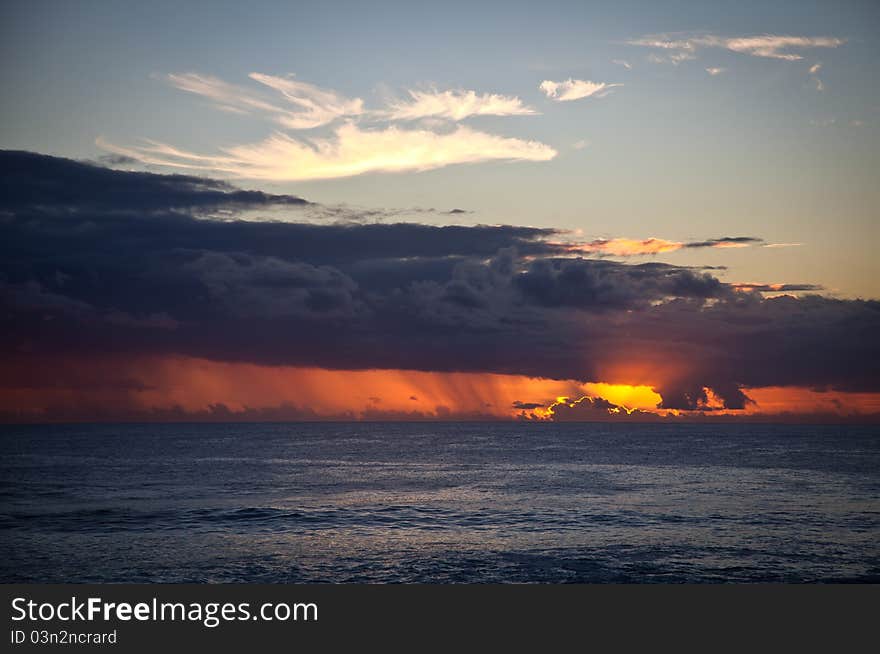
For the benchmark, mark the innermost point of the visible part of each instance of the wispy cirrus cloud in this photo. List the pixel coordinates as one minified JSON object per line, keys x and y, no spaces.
{"x":350,"y":151}
{"x":814,"y":71}
{"x":777,"y":46}
{"x":305,"y":106}
{"x":771,"y":46}
{"x":225,"y":95}
{"x":575,"y":89}
{"x":456,"y":105}
{"x":318,"y":106}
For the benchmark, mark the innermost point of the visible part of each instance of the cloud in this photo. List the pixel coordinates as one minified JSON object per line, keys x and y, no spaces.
{"x":349,"y":152}
{"x":775,"y":288}
{"x":622,"y":62}
{"x":228,"y":96}
{"x":725,"y":242}
{"x":814,"y":70}
{"x":715,"y":71}
{"x":456,"y":105}
{"x":89,"y":271}
{"x":316,"y":106}
{"x":527,"y":406}
{"x":602,"y":285}
{"x":772,"y":46}
{"x":34,"y":180}
{"x":319,"y":106}
{"x":593,"y":409}
{"x":580,"y":145}
{"x":575,"y":89}
{"x":627,"y":247}
{"x":624,"y":247}
{"x":350,"y":149}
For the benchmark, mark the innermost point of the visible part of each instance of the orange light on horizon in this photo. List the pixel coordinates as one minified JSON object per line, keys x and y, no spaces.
{"x":644,"y":398}
{"x":199,"y":386}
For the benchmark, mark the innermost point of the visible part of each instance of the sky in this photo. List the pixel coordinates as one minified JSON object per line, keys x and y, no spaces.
{"x":294,"y":210}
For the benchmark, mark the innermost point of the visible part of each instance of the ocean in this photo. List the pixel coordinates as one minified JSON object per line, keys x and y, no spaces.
{"x":439,"y":503}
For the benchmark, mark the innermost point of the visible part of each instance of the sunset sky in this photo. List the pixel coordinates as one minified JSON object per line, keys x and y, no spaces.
{"x":396,"y":210}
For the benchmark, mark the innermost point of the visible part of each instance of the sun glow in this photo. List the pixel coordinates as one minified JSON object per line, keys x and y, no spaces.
{"x":199,"y":389}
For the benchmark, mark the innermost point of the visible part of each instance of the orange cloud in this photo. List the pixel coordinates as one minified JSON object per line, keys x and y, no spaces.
{"x":195,"y":385}
{"x":627,"y":247}
{"x":778,"y":399}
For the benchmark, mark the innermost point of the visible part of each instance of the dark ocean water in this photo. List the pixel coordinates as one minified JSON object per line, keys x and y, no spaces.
{"x":439,"y":503}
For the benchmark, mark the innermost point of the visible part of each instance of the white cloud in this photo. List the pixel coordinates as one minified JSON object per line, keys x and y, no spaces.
{"x":770,"y":45}
{"x":622,"y":62}
{"x":580,"y":145}
{"x":715,"y":71}
{"x":773,"y":46}
{"x":814,"y":69}
{"x":316,"y":106}
{"x":456,"y":105}
{"x":575,"y":89}
{"x":677,"y":57}
{"x":663,"y":43}
{"x":350,"y":151}
{"x":228,"y":96}
{"x":319,"y":106}
{"x":347,"y":149}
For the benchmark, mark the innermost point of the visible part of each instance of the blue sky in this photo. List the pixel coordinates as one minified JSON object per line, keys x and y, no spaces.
{"x":707,"y":136}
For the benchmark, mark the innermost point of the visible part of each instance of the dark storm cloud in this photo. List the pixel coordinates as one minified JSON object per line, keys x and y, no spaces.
{"x":29,"y":180}
{"x":528,"y":406}
{"x":590,"y":284}
{"x":590,"y":409}
{"x":91,"y":269}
